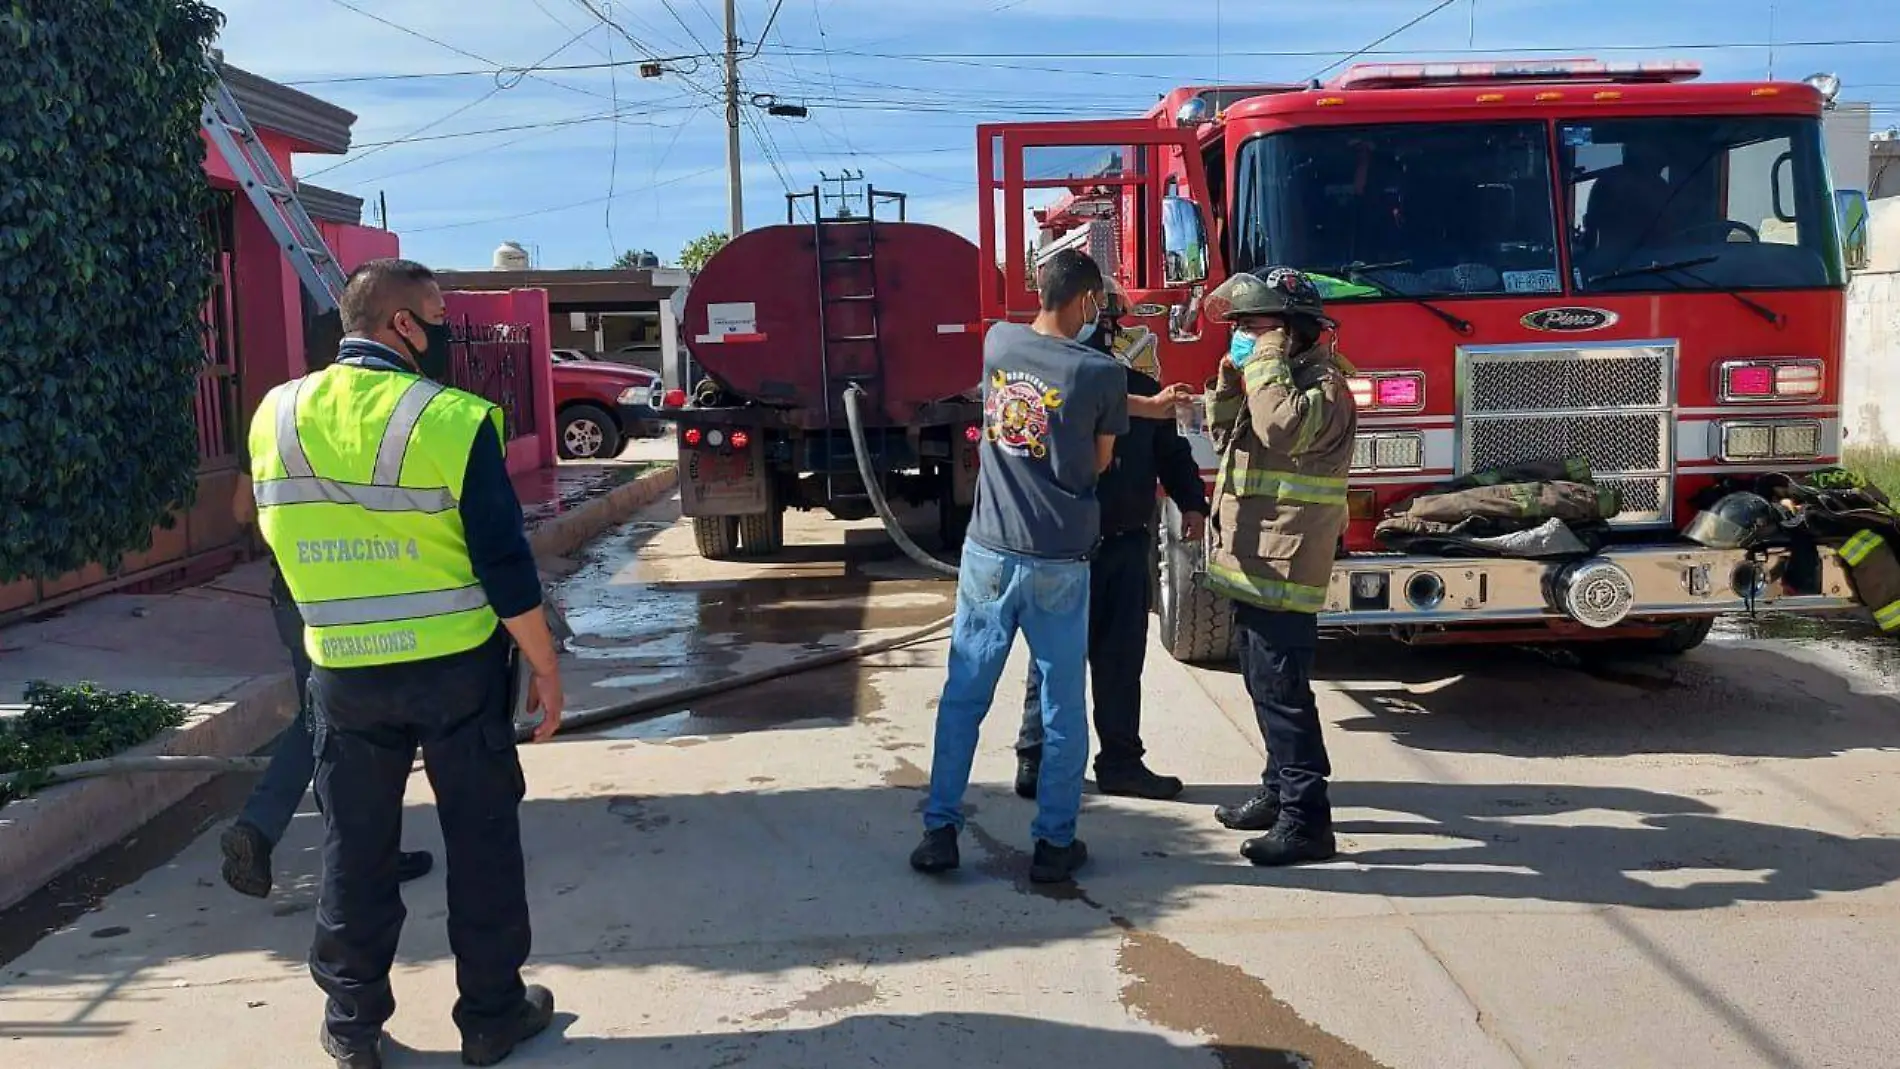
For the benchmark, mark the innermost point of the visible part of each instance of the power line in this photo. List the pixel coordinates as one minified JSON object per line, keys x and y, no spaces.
{"x":499,"y":69}
{"x":1428,"y":13}
{"x":558,"y":207}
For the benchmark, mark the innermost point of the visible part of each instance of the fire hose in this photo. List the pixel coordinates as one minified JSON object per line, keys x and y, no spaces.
{"x":142,"y":764}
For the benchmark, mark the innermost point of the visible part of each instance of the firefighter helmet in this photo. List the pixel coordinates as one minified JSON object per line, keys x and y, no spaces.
{"x":1737,"y":521}
{"x":1281,"y":291}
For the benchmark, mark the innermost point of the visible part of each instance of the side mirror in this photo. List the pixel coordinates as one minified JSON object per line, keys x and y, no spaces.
{"x":1850,"y":207}
{"x":1184,"y":241}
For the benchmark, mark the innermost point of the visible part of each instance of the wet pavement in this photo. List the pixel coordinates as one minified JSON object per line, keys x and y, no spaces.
{"x":1668,"y":864}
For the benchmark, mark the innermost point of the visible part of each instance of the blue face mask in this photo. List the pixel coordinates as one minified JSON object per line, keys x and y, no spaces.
{"x":1240,"y":349}
{"x":1086,"y":333}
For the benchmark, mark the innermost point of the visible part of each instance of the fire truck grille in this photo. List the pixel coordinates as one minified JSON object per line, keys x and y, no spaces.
{"x":1608,"y":404}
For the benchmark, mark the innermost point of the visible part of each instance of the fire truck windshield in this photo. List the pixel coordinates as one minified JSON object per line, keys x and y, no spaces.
{"x":1422,"y":209}
{"x":1698,"y":203}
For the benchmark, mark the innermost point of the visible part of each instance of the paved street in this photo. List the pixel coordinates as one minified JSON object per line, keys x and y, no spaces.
{"x":1647,"y":865}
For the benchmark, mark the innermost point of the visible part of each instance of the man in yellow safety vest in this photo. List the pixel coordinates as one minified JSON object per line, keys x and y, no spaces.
{"x":386,"y":502}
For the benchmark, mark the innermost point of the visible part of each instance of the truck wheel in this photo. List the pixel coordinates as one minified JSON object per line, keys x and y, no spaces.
{"x":1197,"y":625}
{"x":762,"y":534}
{"x":1682,"y":636}
{"x":588,"y":433}
{"x":717,"y":536}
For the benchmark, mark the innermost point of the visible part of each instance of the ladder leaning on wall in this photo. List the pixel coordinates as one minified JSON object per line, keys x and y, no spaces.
{"x":273,"y":194}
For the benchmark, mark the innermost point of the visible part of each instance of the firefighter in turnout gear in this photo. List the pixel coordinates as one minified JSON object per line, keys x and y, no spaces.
{"x":1282,"y":417}
{"x":386,"y":502}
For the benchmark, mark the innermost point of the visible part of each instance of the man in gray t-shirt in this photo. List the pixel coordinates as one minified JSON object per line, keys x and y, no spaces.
{"x":1052,"y":408}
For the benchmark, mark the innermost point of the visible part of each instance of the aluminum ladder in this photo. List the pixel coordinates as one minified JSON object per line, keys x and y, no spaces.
{"x":273,"y":195}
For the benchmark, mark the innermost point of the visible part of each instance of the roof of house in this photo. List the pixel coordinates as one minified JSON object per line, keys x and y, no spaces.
{"x":329,"y":205}
{"x":314,"y":125}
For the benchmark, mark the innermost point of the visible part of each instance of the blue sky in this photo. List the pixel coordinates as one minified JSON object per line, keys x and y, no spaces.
{"x":894,"y":88}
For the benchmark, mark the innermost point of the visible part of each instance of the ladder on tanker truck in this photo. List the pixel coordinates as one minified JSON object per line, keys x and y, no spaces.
{"x":844,"y":247}
{"x":272,"y":193}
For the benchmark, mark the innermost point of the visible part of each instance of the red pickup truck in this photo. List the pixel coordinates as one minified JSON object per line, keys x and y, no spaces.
{"x":599,"y":406}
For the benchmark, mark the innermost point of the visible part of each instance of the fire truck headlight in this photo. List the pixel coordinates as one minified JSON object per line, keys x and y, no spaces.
{"x":1391,"y":451}
{"x":1796,"y":439}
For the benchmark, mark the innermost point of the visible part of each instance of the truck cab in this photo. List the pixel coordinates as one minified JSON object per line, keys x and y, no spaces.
{"x":1573,"y":260}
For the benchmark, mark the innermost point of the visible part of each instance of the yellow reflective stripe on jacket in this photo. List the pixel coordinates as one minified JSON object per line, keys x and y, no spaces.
{"x":1313,"y":422}
{"x":1266,"y":593}
{"x":1260,"y":373}
{"x":1888,"y":616}
{"x":1239,"y":480}
{"x":1857,"y":549}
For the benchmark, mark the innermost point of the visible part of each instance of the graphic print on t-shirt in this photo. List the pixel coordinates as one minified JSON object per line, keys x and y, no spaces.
{"x":1017,"y":412}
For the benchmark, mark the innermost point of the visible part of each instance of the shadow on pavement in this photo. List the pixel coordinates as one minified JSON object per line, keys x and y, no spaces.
{"x":1718,"y":700}
{"x":900,"y":1041}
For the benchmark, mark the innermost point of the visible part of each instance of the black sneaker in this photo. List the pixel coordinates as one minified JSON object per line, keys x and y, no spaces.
{"x":350,"y":1057}
{"x":1057,"y":864}
{"x":1259,"y":813}
{"x":1138,"y":782}
{"x":531,"y":1019}
{"x":413,"y":865}
{"x":1290,"y":844}
{"x":938,"y":852}
{"x":1028,"y":774}
{"x":246,"y":859}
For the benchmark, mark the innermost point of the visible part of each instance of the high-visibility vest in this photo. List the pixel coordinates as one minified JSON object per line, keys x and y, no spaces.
{"x":358,"y":475}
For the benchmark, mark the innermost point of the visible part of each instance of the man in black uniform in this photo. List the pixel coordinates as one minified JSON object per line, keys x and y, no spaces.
{"x":1119,"y":587}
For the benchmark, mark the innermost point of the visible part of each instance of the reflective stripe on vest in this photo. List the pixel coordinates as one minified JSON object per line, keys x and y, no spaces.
{"x":1857,"y":549}
{"x":1238,"y":478}
{"x":1888,"y":616}
{"x":378,"y":564}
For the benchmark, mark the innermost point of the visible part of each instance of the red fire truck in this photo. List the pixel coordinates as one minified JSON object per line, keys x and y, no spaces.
{"x":1527,"y":260}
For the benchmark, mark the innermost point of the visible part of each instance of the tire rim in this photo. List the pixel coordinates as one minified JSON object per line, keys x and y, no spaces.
{"x":1165,"y":564}
{"x":584,"y":437}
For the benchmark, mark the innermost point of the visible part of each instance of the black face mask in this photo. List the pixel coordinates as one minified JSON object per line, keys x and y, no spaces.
{"x":433,"y":359}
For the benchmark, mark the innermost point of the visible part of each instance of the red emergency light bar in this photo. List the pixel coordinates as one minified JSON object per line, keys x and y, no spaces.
{"x":1409,"y":75}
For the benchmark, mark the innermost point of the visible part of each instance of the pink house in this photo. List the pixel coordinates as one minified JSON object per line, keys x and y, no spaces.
{"x":261,"y":333}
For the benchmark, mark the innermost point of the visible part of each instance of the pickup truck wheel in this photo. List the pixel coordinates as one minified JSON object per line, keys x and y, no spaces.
{"x":588,"y":433}
{"x":762,"y":534}
{"x":717,"y":536}
{"x":1197,"y":625}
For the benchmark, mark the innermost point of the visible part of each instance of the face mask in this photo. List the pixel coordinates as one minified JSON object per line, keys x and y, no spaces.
{"x":1087,"y":334}
{"x":433,"y":359}
{"x":1241,"y":348}
{"x":1245,"y":347}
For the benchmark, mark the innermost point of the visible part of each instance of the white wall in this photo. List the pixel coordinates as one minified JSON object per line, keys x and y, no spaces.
{"x":1870,"y":387}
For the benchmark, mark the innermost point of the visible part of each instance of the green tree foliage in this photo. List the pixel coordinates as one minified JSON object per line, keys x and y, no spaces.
{"x":697,"y":251}
{"x":103,"y":271}
{"x":636,"y":258}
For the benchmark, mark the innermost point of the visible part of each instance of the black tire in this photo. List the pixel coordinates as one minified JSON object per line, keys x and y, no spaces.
{"x":1682,"y":636}
{"x":717,"y":536}
{"x":1197,"y":625}
{"x":588,"y":432}
{"x":762,"y":534}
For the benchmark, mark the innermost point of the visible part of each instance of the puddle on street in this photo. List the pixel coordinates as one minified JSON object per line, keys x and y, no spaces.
{"x":1850,"y":644}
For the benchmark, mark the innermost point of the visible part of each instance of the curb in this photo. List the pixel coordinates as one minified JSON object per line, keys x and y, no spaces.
{"x":52,"y":830}
{"x":569,"y":531}
{"x":55,"y":829}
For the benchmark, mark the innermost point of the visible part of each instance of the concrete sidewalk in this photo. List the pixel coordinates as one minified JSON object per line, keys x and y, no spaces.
{"x":214,"y":649}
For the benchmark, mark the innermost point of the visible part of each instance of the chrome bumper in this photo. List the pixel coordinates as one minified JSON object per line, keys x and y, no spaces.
{"x":1622,"y":585}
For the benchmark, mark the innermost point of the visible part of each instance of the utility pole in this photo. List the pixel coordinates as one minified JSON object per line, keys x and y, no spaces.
{"x":737,"y":191}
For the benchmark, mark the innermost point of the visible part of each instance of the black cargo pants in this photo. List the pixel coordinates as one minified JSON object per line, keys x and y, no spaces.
{"x":368,"y":723}
{"x":1118,"y":642}
{"x":1277,"y":650}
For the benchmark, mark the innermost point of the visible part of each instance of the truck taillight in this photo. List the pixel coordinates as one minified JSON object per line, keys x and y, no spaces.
{"x":741,"y":439}
{"x":971,"y":434}
{"x":692,"y":436}
{"x":674,"y":399}
{"x":1770,"y":380}
{"x":1402,"y":391}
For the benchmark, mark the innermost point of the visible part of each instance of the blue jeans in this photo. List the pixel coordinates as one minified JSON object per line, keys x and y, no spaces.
{"x":998,"y":594}
{"x":278,"y":794}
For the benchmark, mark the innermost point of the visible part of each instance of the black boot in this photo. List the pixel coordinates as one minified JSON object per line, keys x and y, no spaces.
{"x":938,"y":852}
{"x":530,"y":1019}
{"x":1291,"y":844}
{"x":1138,"y":782}
{"x":350,"y":1057}
{"x":1057,"y":864}
{"x":246,"y":860}
{"x":413,"y":865}
{"x":1028,"y":774}
{"x":1258,"y":813}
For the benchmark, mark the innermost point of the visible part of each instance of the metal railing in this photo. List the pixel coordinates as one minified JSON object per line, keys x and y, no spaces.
{"x":496,"y":361}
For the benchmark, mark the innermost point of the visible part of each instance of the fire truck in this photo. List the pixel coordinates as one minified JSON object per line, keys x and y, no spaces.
{"x":1527,"y":260}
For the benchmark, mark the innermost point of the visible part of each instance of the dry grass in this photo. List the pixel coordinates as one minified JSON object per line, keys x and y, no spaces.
{"x":1879,"y":465}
